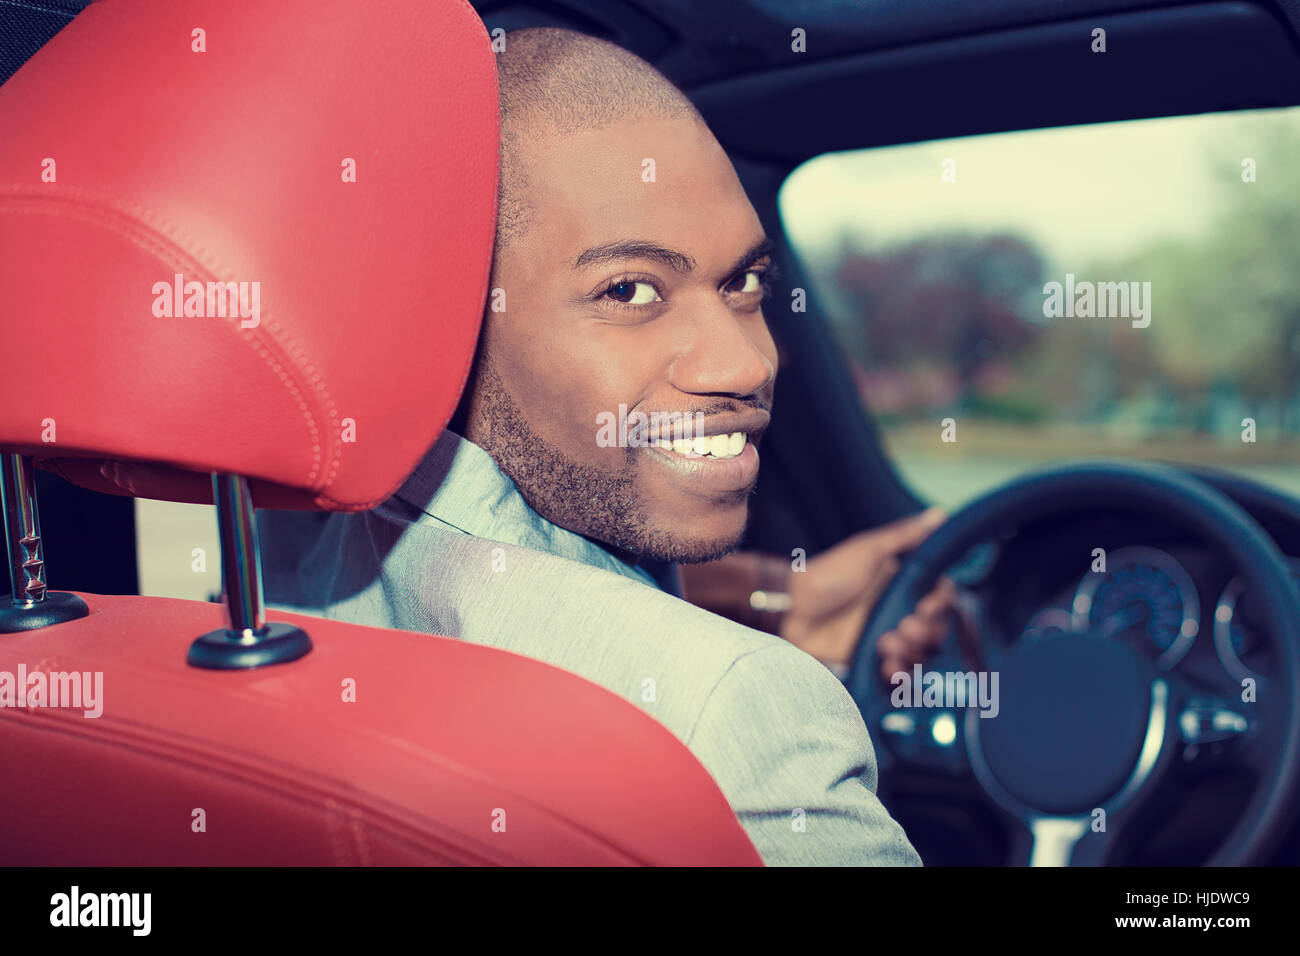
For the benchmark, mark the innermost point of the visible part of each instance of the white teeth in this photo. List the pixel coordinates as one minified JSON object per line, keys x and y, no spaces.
{"x":711,"y":446}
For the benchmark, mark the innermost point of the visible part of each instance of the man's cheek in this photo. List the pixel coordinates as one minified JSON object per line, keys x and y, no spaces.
{"x":584,"y":438}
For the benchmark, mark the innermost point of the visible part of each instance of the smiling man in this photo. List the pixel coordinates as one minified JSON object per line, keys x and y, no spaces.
{"x":632,"y":269}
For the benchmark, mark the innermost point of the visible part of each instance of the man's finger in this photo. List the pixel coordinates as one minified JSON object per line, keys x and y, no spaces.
{"x":889,"y":666}
{"x":922,"y":634}
{"x":879,"y":579}
{"x":907,"y":533}
{"x":891,"y":645}
{"x":914,"y":631}
{"x":939,"y":600}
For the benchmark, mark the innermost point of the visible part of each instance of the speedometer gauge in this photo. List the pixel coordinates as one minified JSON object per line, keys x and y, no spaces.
{"x":1238,"y":637}
{"x":1145,"y":596}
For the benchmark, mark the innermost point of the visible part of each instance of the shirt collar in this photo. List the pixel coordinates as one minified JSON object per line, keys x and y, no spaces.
{"x":458,"y":485}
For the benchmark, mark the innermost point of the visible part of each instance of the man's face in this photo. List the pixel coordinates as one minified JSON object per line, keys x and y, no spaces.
{"x":624,"y":293}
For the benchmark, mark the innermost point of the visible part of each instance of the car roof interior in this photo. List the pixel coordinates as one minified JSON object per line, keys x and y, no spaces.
{"x":1170,"y":58}
{"x":875,"y":73}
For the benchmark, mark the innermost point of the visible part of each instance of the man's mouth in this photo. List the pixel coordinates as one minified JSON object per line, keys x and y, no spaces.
{"x":711,"y":455}
{"x":691,"y":435}
{"x":718,"y":447}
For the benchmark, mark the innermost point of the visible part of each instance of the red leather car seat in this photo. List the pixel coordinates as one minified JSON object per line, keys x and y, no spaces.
{"x":344,"y":158}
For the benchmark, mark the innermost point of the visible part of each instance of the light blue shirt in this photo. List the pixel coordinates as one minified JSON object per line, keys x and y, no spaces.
{"x":458,"y":552}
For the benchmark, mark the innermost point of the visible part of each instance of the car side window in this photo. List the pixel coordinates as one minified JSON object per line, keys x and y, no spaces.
{"x":1017,"y":299}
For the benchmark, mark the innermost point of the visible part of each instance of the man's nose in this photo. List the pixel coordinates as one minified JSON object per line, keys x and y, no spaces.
{"x":723,"y":352}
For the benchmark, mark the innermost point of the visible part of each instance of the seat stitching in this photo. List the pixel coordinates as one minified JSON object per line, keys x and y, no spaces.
{"x":135,"y":226}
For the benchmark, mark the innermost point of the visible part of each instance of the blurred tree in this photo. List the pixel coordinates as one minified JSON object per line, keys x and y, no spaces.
{"x":1226,"y":310}
{"x":956,"y":301}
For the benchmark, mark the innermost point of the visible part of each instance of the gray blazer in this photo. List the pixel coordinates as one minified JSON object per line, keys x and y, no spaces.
{"x":458,"y":552}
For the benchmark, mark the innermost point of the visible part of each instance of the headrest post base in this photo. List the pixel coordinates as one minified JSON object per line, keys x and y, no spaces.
{"x":31,"y":606}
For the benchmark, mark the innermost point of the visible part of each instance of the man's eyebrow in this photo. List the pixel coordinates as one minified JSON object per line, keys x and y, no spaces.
{"x":679,"y":261}
{"x":634,"y":249}
{"x":760,"y":250}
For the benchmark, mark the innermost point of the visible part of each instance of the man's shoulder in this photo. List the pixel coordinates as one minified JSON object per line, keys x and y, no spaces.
{"x":655,"y":649}
{"x":776,"y":730}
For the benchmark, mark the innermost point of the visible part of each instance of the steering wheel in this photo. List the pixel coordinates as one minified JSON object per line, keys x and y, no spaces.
{"x":1086,"y":727}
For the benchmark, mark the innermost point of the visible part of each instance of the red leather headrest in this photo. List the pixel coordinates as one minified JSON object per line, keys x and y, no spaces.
{"x":336,"y":160}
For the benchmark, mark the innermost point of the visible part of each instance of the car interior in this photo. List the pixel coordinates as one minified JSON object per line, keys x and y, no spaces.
{"x":1190,"y":768}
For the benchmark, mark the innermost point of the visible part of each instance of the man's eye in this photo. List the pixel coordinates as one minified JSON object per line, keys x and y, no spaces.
{"x":751,"y":281}
{"x":633,"y":293}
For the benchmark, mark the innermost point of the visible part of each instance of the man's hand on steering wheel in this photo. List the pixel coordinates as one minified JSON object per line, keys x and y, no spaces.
{"x":831,"y":600}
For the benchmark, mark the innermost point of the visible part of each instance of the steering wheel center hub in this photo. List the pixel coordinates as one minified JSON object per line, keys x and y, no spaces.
{"x":1071,"y":725}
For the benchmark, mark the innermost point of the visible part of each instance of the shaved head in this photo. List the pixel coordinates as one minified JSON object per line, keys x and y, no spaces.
{"x":557,"y":82}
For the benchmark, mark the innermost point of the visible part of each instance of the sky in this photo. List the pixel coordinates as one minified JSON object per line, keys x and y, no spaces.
{"x":1080,"y":191}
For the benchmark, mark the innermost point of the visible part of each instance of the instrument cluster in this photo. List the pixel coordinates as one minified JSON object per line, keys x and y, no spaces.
{"x":1146,"y":596}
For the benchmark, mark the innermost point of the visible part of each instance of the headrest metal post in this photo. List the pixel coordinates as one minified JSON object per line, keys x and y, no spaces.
{"x":31,"y":605}
{"x":241,"y":568}
{"x":22,"y":530}
{"x":249,"y":641}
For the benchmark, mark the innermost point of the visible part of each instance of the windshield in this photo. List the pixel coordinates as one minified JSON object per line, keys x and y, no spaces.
{"x":1012,"y":300}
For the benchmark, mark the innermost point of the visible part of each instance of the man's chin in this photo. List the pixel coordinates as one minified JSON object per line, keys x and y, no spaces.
{"x":682,"y":548}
